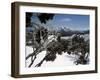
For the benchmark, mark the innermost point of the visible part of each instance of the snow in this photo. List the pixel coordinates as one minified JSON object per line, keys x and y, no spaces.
{"x":85,"y":36}
{"x":61,"y":60}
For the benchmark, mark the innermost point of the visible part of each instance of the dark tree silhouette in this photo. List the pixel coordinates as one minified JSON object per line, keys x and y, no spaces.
{"x":44,"y":17}
{"x":28,"y":19}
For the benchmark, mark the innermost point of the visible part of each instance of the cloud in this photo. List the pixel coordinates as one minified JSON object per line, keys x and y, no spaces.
{"x":66,"y":19}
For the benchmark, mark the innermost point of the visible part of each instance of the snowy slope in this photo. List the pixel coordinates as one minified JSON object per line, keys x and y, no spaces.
{"x":61,"y":60}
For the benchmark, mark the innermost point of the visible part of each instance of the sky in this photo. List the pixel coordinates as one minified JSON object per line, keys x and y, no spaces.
{"x":70,"y":21}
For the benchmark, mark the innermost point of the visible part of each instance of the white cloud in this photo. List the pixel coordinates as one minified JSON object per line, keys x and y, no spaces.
{"x":66,"y":19}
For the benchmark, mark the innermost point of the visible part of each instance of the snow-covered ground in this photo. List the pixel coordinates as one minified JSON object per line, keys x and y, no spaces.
{"x":61,"y":60}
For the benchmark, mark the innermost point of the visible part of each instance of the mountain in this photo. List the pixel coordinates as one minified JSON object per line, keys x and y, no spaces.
{"x":68,"y":32}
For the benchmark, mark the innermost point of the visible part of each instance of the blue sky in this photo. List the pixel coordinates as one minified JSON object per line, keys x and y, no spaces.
{"x":71,"y":21}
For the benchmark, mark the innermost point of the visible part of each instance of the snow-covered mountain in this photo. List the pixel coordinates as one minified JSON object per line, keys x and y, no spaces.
{"x":68,"y":32}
